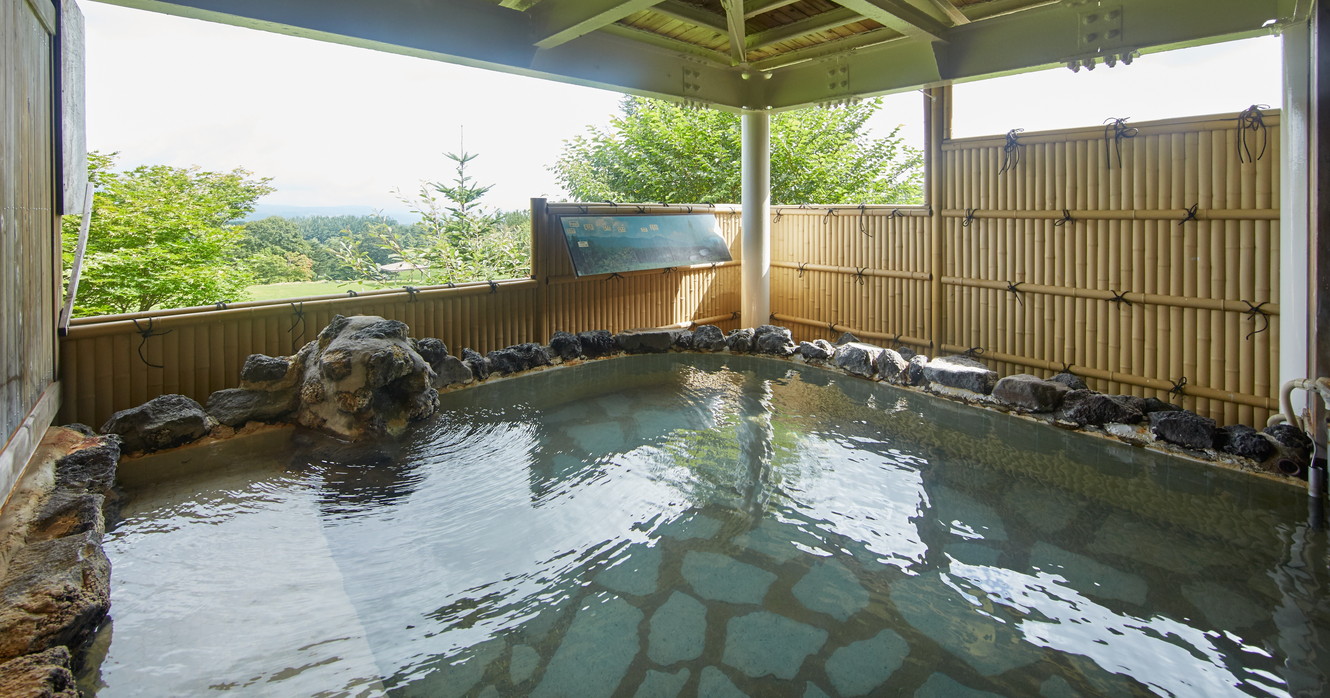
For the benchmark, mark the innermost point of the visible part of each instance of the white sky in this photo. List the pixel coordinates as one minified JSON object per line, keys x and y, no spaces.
{"x":340,"y":126}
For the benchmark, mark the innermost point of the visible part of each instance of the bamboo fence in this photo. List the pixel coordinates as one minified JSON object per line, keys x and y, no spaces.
{"x":109,"y":363}
{"x":1154,"y":274}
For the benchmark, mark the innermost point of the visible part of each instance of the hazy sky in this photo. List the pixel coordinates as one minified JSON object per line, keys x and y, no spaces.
{"x":335,"y":125}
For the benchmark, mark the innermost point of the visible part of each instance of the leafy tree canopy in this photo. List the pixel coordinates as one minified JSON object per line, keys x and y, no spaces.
{"x":162,"y":236}
{"x":660,"y":151}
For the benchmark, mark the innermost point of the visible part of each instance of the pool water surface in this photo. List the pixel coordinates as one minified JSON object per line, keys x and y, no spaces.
{"x":708,"y":525}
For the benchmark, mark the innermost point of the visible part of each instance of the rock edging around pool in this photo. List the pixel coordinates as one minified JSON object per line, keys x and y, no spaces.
{"x":54,"y":576}
{"x":364,"y":376}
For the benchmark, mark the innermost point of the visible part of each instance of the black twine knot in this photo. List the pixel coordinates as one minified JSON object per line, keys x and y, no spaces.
{"x":1191,"y":214}
{"x":411,"y":293}
{"x":863,"y":220}
{"x":582,"y":208}
{"x":1065,"y":219}
{"x":1179,"y":387}
{"x":641,"y":208}
{"x":734,"y":315}
{"x":613,"y":276}
{"x":1015,"y":290}
{"x":1114,"y":133}
{"x":494,"y":285}
{"x":451,"y":284}
{"x":611,"y":203}
{"x":897,"y":213}
{"x":802,"y":265}
{"x":1066,"y":368}
{"x":145,"y":332}
{"x":667,"y":270}
{"x":827,"y":218}
{"x":298,"y":313}
{"x":1118,"y":297}
{"x":351,"y":293}
{"x":973,"y":352}
{"x":1251,"y":128}
{"x":220,"y":305}
{"x":776,"y":218}
{"x":1254,"y":311}
{"x":859,"y":275}
{"x":1011,"y":151}
{"x":969,"y":217}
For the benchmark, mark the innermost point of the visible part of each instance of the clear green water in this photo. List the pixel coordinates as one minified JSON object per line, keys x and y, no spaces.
{"x":709,"y":525}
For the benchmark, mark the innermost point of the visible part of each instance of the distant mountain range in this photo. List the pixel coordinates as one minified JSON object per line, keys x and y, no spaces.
{"x":400,"y":215}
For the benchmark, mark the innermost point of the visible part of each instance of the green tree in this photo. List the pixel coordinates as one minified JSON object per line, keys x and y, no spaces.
{"x":162,"y":237}
{"x":660,"y":151}
{"x":274,"y":251}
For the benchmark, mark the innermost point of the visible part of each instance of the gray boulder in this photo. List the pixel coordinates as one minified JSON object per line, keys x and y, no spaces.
{"x":816,"y":350}
{"x":91,"y":468}
{"x":432,"y":350}
{"x":740,"y":341}
{"x":451,"y":371}
{"x":363,"y":377}
{"x":1242,"y":440}
{"x":55,"y":592}
{"x":846,"y":338}
{"x":39,"y":675}
{"x":1183,"y":428}
{"x":858,"y":358}
{"x":236,"y":406}
{"x":263,"y":372}
{"x":519,"y":357}
{"x":566,"y":345}
{"x":1291,"y":438}
{"x":162,"y":422}
{"x":709,"y":338}
{"x":598,"y":343}
{"x":891,"y":366}
{"x":480,"y":369}
{"x":914,"y":371}
{"x":1146,"y":405}
{"x":684,"y":341}
{"x":647,"y":341}
{"x":1071,"y":380}
{"x":1086,"y":407}
{"x":906,"y":352}
{"x":961,"y":372}
{"x":1030,"y":393}
{"x":770,"y":339}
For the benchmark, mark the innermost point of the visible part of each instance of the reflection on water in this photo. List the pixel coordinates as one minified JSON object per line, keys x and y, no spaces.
{"x":711,"y":525}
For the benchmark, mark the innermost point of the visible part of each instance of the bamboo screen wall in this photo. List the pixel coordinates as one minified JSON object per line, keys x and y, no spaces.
{"x":1152,"y":275}
{"x":113,"y":362}
{"x":28,"y":234}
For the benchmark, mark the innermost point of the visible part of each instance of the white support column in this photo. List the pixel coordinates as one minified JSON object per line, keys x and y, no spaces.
{"x":756,"y":249}
{"x":1294,"y":208}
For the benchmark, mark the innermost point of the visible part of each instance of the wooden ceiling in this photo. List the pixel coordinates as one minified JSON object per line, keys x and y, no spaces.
{"x":754,"y":54}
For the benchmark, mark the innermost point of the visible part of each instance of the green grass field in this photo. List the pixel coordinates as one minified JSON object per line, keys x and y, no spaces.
{"x":301,"y":289}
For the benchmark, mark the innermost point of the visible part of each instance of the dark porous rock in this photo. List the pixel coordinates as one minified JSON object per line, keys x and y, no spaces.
{"x":770,"y":339}
{"x":432,"y":350}
{"x":91,"y":468}
{"x":858,"y":358}
{"x":566,"y":345}
{"x":534,"y":354}
{"x":740,"y":341}
{"x":1242,"y":440}
{"x":162,"y":422}
{"x":961,"y":372}
{"x":236,"y":406}
{"x":684,"y":341}
{"x":1071,"y":380}
{"x":647,"y":341}
{"x":906,"y":352}
{"x":846,"y":338}
{"x":474,"y":361}
{"x":362,"y":378}
{"x":1292,"y":438}
{"x":451,"y":371}
{"x":598,"y":343}
{"x":709,"y":338}
{"x":1086,"y":407}
{"x":914,"y":372}
{"x":816,"y":350}
{"x":504,"y":361}
{"x":67,"y":512}
{"x":39,"y":675}
{"x":891,"y":366}
{"x":268,"y":372}
{"x":1030,"y":393}
{"x":56,"y":592}
{"x":1183,"y":428}
{"x":519,"y":357}
{"x":83,"y":429}
{"x":1145,"y":405}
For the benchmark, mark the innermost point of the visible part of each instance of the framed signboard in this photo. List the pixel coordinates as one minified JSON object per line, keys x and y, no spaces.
{"x":608,"y":244}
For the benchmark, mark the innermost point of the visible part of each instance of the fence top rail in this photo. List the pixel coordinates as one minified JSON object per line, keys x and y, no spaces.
{"x":1207,"y":122}
{"x":854,"y":209}
{"x":99,"y":323}
{"x":597,"y":208}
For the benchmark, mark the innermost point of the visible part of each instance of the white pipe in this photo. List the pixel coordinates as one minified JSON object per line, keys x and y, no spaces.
{"x":1295,"y":208}
{"x":756,"y":249}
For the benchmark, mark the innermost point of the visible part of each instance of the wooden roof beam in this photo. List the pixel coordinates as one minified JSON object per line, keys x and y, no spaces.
{"x":900,"y":16}
{"x":952,"y":12}
{"x":803,"y":27}
{"x":753,"y":8}
{"x":560,"y":21}
{"x":692,"y":14}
